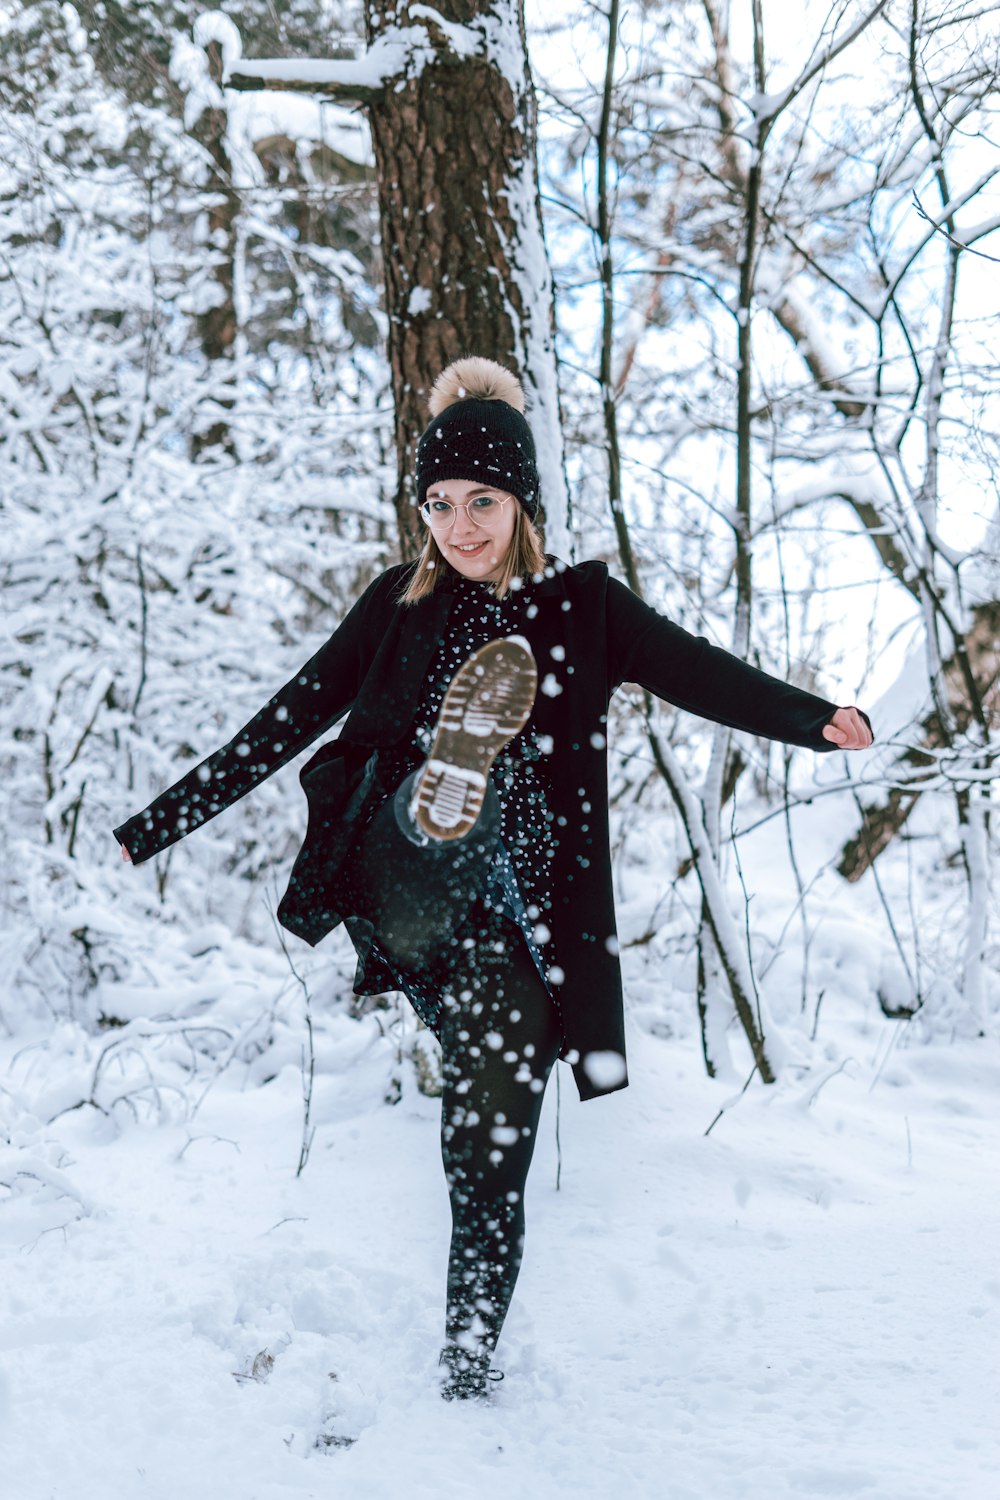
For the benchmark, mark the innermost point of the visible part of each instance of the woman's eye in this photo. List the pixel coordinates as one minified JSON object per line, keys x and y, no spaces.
{"x":484,"y":502}
{"x":440,"y":506}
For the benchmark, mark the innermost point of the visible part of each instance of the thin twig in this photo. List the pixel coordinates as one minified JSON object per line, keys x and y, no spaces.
{"x":143,"y":627}
{"x":726,"y":1107}
{"x":308,"y":1056}
{"x":558,"y":1137}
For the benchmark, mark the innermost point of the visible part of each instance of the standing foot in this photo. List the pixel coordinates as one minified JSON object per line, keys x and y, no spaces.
{"x":468,"y":1377}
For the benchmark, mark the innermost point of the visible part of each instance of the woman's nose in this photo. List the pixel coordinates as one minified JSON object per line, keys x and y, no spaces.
{"x":464,"y":529}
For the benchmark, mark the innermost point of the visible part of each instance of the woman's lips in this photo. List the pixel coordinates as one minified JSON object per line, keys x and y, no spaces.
{"x":468,"y":552}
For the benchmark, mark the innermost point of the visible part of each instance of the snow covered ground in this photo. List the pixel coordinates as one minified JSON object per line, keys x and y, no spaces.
{"x":803,"y":1303}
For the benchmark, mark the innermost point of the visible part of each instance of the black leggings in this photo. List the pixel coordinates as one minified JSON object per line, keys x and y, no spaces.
{"x":499,"y":1041}
{"x":499,"y":1037}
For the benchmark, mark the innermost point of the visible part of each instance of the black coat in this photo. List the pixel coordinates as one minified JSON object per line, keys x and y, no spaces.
{"x":589,"y":635}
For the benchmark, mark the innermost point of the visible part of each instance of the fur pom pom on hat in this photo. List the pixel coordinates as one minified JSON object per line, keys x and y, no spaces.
{"x":482,"y":379}
{"x":478,"y":431}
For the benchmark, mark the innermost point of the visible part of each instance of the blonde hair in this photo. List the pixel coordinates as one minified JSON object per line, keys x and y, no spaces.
{"x":525,"y":557}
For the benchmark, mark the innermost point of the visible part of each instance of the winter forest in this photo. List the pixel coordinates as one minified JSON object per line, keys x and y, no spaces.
{"x":743,"y":256}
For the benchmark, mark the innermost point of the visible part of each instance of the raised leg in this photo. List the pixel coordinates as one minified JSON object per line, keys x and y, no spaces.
{"x":416,"y":890}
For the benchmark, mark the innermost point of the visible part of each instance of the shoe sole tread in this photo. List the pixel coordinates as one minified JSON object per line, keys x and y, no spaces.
{"x":488,"y":702}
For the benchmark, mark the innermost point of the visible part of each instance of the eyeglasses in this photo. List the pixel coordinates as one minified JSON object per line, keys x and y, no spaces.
{"x":482,"y":510}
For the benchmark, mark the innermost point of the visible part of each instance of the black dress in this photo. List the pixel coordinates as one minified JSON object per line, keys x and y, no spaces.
{"x":517,"y":885}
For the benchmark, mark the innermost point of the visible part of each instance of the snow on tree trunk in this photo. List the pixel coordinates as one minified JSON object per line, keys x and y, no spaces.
{"x":975,"y":844}
{"x":198,"y":68}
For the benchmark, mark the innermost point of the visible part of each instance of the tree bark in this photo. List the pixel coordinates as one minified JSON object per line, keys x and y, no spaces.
{"x":461,"y":230}
{"x":452,"y":110}
{"x":217,"y":324}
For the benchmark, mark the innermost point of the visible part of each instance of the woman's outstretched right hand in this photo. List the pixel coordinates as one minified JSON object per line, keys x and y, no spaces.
{"x":126,"y":856}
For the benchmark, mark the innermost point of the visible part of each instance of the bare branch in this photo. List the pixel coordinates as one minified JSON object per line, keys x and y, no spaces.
{"x":767,"y":109}
{"x":959,"y":241}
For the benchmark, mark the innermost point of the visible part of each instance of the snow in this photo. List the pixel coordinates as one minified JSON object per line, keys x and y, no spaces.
{"x":970,"y":234}
{"x":531,"y":272}
{"x":189,"y":69}
{"x":214,"y":26}
{"x":419,"y":301}
{"x":259,"y":115}
{"x":605,"y":1069}
{"x":758,"y":1292}
{"x":464,"y":41}
{"x":764,"y":107}
{"x":802,"y":1303}
{"x":394,"y":53}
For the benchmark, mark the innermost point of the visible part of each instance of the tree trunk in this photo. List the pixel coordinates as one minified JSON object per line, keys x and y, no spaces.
{"x":464,"y":260}
{"x":452,"y":111}
{"x":217,"y":324}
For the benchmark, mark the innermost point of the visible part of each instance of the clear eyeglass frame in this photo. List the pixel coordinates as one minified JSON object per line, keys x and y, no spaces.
{"x":444,"y":521}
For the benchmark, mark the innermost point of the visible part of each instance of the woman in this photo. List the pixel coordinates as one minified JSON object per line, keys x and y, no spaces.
{"x":459,"y":824}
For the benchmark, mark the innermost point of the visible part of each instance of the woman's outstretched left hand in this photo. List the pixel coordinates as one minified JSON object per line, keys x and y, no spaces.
{"x":848,"y":730}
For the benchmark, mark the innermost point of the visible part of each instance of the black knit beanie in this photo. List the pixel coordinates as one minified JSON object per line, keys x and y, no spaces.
{"x":478,"y":434}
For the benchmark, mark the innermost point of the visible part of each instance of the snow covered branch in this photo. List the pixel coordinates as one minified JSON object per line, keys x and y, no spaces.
{"x":765,"y":108}
{"x":400,"y":52}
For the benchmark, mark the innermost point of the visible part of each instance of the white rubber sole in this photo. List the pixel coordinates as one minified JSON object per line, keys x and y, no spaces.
{"x":488,"y":701}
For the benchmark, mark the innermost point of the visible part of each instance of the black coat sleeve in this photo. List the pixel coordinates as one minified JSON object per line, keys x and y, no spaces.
{"x":319,"y":694}
{"x":688,"y":671}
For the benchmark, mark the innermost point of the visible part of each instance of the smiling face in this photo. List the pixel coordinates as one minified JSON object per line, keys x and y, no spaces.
{"x":476,"y":550}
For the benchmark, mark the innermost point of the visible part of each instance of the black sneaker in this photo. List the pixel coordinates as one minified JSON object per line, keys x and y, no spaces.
{"x":488,"y":701}
{"x":469,"y":1377}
